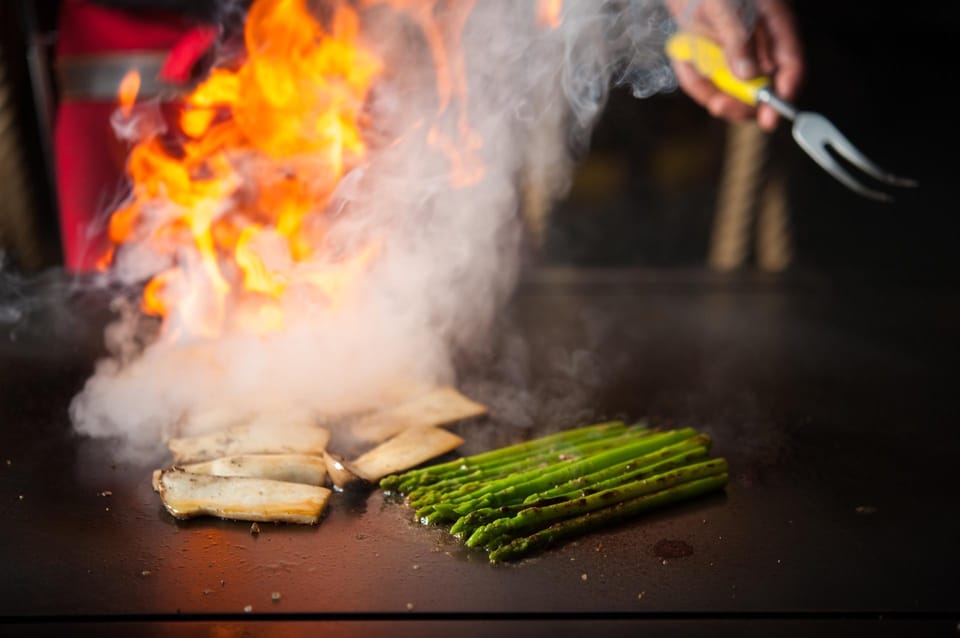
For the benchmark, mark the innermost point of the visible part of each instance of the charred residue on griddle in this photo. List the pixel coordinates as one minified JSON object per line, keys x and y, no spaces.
{"x":354,"y":501}
{"x":668,"y":548}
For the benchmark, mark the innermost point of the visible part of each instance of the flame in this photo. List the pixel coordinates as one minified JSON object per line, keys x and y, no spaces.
{"x":232,"y":199}
{"x":127,"y":93}
{"x":549,"y":13}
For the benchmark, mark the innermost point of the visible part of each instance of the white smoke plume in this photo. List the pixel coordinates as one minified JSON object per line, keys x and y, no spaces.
{"x":449,"y":253}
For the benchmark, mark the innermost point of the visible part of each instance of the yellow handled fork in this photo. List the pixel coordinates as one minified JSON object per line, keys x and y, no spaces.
{"x":813,"y":132}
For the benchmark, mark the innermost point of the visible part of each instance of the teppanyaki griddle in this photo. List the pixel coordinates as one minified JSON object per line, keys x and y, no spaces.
{"x":835,"y":405}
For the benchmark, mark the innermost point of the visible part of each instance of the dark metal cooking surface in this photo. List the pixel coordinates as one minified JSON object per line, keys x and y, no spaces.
{"x":835,"y":405}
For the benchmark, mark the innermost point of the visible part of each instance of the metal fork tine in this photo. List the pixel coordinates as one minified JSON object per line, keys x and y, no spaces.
{"x":812,"y":131}
{"x":816,"y":127}
{"x":846,"y":149}
{"x":815,"y":148}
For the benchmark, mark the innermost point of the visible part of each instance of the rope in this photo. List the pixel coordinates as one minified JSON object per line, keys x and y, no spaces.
{"x":774,"y":242}
{"x":750,"y":190}
{"x":18,"y":232}
{"x":744,"y":161}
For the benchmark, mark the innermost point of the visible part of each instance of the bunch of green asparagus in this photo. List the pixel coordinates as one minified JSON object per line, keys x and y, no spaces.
{"x":525,"y":497}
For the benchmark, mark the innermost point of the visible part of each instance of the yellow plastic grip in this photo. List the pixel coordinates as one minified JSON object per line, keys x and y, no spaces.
{"x":711,"y":62}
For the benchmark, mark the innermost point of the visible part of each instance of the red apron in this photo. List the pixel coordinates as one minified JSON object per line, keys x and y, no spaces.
{"x":96,"y":45}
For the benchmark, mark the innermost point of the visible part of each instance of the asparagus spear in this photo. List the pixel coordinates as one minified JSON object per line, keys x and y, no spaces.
{"x":623,"y":471}
{"x":455,"y":489}
{"x":514,"y":489}
{"x":533,"y":517}
{"x":559,"y":486}
{"x":521,"y":450}
{"x":430,"y":474}
{"x":465,"y":525}
{"x":682,"y":459}
{"x":598,"y":518}
{"x":507,"y":465}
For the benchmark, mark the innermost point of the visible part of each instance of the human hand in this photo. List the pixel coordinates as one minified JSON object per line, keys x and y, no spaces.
{"x":768,"y":44}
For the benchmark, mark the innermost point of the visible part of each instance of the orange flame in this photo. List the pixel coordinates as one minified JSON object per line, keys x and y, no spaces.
{"x":290,"y":115}
{"x":127,"y":93}
{"x":233,"y":200}
{"x":549,"y":13}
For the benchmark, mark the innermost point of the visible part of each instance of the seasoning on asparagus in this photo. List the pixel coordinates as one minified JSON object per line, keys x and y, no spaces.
{"x":533,"y":517}
{"x":524,"y":497}
{"x":513,"y":452}
{"x":594,"y":520}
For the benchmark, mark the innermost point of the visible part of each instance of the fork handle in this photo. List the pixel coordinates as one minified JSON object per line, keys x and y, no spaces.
{"x":711,"y":62}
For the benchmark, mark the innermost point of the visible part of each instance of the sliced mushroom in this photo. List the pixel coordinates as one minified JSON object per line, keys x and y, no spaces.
{"x":293,"y":468}
{"x":437,"y":407}
{"x":407,"y":449}
{"x":279,"y":438}
{"x":186,"y":495}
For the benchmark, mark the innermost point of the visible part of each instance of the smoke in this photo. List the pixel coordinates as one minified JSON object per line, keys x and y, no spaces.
{"x":441,"y":193}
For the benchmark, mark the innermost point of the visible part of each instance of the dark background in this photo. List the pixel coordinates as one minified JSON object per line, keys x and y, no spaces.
{"x":879,"y":71}
{"x":645,"y":194}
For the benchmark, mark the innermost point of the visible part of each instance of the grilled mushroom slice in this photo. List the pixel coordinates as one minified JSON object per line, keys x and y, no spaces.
{"x":293,"y":468}
{"x":186,"y":495}
{"x":407,"y":449}
{"x":440,"y":406}
{"x":282,"y":438}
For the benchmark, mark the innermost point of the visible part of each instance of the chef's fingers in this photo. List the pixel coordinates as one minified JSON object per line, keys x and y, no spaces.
{"x":764,"y":50}
{"x":707,"y":95}
{"x":785,"y":47}
{"x":778,"y":37}
{"x":724,"y":19}
{"x":767,"y":118}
